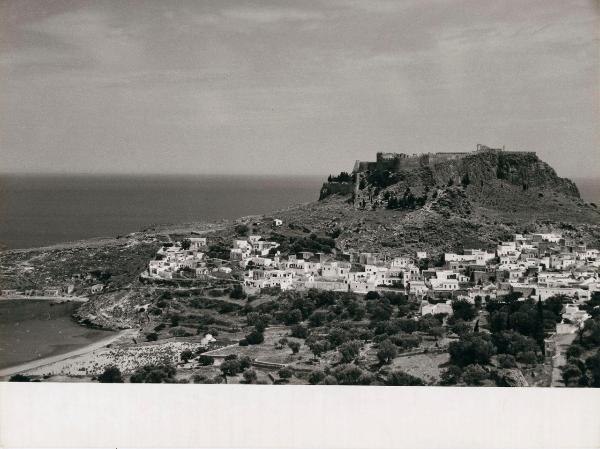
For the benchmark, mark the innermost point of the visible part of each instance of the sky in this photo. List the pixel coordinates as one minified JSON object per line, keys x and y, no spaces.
{"x":293,"y":87}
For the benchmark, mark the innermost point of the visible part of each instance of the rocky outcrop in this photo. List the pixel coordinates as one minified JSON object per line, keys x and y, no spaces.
{"x":510,"y":378}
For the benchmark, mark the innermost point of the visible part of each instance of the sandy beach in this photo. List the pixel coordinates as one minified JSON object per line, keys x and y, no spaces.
{"x":34,"y":364}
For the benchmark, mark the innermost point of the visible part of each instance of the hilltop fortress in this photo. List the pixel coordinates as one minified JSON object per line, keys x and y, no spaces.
{"x":399,"y":180}
{"x":395,"y":162}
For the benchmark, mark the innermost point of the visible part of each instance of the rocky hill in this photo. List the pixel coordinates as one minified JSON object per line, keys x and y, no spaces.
{"x":440,"y":202}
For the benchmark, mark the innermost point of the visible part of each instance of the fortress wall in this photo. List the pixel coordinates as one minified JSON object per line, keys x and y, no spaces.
{"x":401,"y":161}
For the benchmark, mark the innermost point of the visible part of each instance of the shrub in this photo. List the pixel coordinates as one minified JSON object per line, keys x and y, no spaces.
{"x":242,"y":230}
{"x":299,"y":331}
{"x":152,"y":336}
{"x":350,"y":375}
{"x":19,"y":378}
{"x":574,"y":351}
{"x":206,"y":360}
{"x":372,"y":295}
{"x":400,"y":378}
{"x":111,"y":375}
{"x":350,"y":350}
{"x":294,"y":346}
{"x":255,"y":337}
{"x":285,"y":373}
{"x":153,"y":374}
{"x":571,"y":374}
{"x":318,"y":318}
{"x":316,"y":377}
{"x":329,"y":380}
{"x":506,"y":361}
{"x":186,"y":355}
{"x":527,"y":357}
{"x":317,"y":346}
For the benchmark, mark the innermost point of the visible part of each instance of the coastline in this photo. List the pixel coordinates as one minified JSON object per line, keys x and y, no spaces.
{"x":34,"y":364}
{"x":57,"y":299}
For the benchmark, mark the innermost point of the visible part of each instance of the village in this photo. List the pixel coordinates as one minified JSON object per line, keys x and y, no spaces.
{"x":537,"y":265}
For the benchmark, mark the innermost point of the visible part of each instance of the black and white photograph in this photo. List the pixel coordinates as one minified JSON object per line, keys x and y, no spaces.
{"x":329,"y":193}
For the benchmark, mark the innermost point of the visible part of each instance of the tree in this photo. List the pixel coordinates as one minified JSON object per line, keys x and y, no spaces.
{"x":463,"y":310}
{"x":350,"y":350}
{"x":186,"y":355}
{"x":294,"y":346}
{"x":471,"y":349}
{"x":111,"y":375}
{"x":230,"y":367}
{"x":242,"y":230}
{"x":237,"y":292}
{"x":571,"y":374}
{"x":317,"y":346}
{"x":436,"y":332}
{"x":316,"y":377}
{"x":206,"y":360}
{"x":460,"y":328}
{"x":372,"y":295}
{"x":380,"y":309}
{"x":259,"y":320}
{"x":465,"y":181}
{"x":185,"y":244}
{"x":400,"y":378}
{"x":294,"y":316}
{"x":250,"y":376}
{"x":153,"y":374}
{"x":387,"y":351}
{"x":337,"y":336}
{"x":299,"y":331}
{"x":527,"y":357}
{"x":451,"y":376}
{"x":592,"y":363}
{"x":318,"y":318}
{"x":255,"y":337}
{"x":574,"y":351}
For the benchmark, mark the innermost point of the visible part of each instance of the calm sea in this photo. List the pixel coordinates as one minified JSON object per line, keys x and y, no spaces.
{"x":41,"y":210}
{"x":30,"y":330}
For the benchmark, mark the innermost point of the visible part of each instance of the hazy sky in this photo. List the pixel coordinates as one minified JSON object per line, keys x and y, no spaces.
{"x":293,"y":86}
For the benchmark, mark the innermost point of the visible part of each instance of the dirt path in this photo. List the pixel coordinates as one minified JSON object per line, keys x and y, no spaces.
{"x":129,"y":333}
{"x":562,"y":344}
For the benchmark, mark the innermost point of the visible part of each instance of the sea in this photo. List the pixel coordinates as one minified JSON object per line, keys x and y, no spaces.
{"x":39,"y":210}
{"x":32,"y":329}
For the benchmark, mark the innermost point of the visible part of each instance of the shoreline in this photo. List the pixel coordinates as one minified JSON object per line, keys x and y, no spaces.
{"x":57,"y":299}
{"x":34,"y":364}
